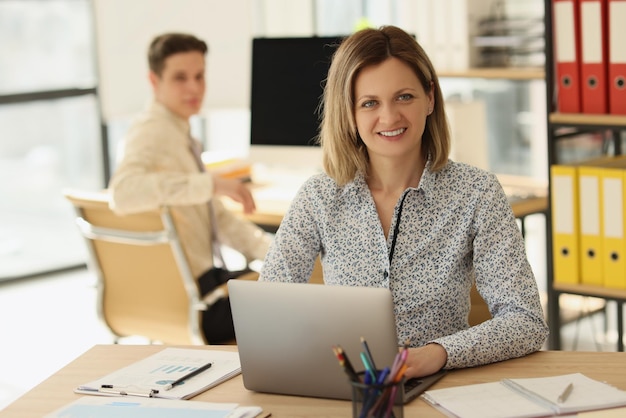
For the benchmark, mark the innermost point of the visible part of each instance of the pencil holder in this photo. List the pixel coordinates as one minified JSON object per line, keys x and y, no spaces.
{"x":376,"y":400}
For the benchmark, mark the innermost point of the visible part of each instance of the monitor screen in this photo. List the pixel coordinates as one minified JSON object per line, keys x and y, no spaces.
{"x":287,"y":83}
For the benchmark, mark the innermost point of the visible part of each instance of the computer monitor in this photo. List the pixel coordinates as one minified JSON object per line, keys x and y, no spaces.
{"x":288,"y":75}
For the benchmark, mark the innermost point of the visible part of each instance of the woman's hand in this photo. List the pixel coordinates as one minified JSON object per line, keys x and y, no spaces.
{"x":426,"y":360}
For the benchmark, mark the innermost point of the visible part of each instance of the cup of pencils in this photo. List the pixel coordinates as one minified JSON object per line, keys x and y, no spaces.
{"x":376,"y":396}
{"x":376,"y":393}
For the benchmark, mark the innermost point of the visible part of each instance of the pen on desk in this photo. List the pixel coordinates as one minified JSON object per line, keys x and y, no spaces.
{"x":566,"y":392}
{"x":188,"y":376}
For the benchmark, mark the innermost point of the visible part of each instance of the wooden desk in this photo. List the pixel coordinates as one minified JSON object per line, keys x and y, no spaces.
{"x":269,"y":214}
{"x":100,"y":360}
{"x":274,"y":197}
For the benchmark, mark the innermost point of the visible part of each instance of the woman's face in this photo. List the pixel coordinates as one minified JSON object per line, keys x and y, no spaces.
{"x":390,"y":110}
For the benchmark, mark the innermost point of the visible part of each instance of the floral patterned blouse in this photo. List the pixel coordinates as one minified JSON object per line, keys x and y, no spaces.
{"x":455,"y":228}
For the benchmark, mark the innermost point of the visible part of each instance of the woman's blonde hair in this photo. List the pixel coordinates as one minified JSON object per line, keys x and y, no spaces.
{"x":344,"y":153}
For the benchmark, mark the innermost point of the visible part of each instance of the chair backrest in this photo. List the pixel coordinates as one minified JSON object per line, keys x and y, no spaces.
{"x":479,"y":311}
{"x":145,"y":287}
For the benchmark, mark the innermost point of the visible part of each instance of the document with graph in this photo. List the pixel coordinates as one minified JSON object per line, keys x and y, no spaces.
{"x":173,"y":373}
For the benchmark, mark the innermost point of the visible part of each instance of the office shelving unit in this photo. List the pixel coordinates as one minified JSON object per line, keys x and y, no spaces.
{"x":495,"y":73}
{"x":507,"y":94}
{"x":612,"y":126}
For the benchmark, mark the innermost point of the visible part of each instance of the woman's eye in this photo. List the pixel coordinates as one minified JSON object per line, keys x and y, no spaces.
{"x":368,"y":103}
{"x":405,"y":97}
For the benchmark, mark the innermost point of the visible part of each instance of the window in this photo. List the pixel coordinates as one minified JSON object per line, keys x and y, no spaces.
{"x":50,"y":129}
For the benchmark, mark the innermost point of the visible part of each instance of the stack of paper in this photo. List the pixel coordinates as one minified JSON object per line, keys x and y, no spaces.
{"x":150,"y":407}
{"x":230,"y":168}
{"x":151,"y":376}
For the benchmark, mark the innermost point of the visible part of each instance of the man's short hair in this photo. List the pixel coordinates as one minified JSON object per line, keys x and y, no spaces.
{"x":168,"y":44}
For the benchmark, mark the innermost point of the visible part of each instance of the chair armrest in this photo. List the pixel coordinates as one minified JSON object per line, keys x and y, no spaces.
{"x":210,"y":298}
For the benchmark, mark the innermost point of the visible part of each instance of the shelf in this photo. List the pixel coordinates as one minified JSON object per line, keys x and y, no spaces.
{"x":580,"y":119}
{"x":589,"y":290}
{"x":579,"y":122}
{"x":495,"y":73}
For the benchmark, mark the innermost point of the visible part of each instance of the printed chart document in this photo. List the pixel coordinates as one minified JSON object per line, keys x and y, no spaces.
{"x":526,"y":398}
{"x":122,"y":407}
{"x":152,"y":376}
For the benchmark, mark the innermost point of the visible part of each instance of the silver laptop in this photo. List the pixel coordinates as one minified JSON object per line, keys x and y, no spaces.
{"x":286,"y":332}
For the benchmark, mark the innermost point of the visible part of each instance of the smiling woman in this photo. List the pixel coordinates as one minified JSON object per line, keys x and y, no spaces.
{"x":392,"y":211}
{"x":390,"y":113}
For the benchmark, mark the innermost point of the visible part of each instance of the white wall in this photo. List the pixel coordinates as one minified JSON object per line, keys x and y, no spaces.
{"x":125,"y":28}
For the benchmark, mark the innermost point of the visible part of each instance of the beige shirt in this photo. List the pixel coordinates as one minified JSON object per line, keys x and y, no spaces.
{"x":158,"y":168}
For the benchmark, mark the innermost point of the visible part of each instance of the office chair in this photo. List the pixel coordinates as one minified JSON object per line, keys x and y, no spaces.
{"x":145,"y":287}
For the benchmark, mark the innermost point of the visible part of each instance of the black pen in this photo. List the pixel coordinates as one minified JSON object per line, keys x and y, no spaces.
{"x":368,"y":353}
{"x":188,"y":376}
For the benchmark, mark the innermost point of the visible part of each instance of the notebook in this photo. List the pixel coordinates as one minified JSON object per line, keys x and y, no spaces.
{"x":527,"y":397}
{"x":285,"y":333}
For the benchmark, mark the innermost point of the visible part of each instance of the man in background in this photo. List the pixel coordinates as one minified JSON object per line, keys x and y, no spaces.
{"x":161,"y":166}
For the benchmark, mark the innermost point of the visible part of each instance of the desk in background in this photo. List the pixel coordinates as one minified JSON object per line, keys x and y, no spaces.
{"x":57,"y":390}
{"x":273,"y":194}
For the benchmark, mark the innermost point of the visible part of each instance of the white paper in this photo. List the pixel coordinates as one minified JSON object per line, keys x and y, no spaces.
{"x":525,"y":398}
{"x":124,"y":407}
{"x":587,"y":394}
{"x":160,"y":369}
{"x":485,"y":400}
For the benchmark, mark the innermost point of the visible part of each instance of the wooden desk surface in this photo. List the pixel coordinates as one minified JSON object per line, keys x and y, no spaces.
{"x":271,"y":213}
{"x":273,"y":198}
{"x":100,"y":360}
